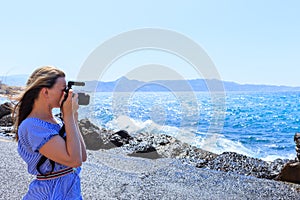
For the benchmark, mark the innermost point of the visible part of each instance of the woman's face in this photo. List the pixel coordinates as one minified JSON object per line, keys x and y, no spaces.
{"x":56,"y":93}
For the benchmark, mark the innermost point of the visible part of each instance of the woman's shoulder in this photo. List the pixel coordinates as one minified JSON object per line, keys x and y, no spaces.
{"x":35,"y":129}
{"x":35,"y":132}
{"x":37,"y":122}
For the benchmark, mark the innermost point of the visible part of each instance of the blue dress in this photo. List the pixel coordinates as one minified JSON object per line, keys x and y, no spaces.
{"x":33,"y":134}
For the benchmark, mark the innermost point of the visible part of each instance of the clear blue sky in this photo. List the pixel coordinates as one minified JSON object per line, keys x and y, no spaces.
{"x":249,"y":41}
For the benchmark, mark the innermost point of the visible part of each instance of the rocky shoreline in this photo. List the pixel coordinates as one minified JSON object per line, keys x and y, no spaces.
{"x":8,"y":91}
{"x":153,"y":146}
{"x":168,"y":153}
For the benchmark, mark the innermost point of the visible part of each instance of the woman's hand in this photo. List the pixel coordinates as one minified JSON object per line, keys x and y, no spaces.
{"x":70,"y":106}
{"x":75,"y":106}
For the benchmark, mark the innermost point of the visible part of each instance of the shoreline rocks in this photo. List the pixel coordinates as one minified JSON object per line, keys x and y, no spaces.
{"x":6,"y":121}
{"x":7,"y":91}
{"x":5,"y":114}
{"x":153,"y":146}
{"x":244,"y":165}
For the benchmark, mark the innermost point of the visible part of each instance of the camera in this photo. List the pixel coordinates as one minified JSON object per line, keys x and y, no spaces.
{"x":83,"y":99}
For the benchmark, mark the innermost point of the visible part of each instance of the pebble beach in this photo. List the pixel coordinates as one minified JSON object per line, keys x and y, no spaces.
{"x":111,"y":174}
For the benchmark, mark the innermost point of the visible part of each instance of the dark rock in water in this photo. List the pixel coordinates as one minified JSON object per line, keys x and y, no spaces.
{"x":124,"y":135}
{"x":5,"y":109}
{"x":244,"y":165}
{"x":120,"y":138}
{"x":290,"y":173}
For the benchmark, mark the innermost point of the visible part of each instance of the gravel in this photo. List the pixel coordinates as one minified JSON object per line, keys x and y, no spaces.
{"x":110,"y":174}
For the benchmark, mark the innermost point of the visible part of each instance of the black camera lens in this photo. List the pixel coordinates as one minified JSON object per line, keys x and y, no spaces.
{"x":83,"y":99}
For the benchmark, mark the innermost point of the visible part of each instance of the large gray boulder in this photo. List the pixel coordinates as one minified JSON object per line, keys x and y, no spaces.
{"x":96,"y":138}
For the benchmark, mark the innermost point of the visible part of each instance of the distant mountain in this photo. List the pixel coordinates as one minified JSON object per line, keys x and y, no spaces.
{"x":124,"y":84}
{"x":199,"y":85}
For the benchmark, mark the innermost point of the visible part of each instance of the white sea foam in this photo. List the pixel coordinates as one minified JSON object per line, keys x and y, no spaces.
{"x":215,"y":143}
{"x":271,"y":145}
{"x":274,"y":157}
{"x":136,"y":126}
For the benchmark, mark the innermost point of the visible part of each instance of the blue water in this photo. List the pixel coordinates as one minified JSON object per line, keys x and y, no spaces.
{"x":256,"y":124}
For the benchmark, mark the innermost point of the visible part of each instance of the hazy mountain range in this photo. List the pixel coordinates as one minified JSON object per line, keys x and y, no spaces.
{"x":125,"y":85}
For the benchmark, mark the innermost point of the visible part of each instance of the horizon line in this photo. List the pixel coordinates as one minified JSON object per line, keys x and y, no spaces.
{"x":106,"y":81}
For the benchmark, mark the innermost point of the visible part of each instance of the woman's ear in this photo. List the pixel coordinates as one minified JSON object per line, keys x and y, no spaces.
{"x":44,"y":92}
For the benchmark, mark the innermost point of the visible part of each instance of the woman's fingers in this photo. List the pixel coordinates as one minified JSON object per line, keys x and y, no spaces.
{"x":70,"y":95}
{"x":75,"y":102}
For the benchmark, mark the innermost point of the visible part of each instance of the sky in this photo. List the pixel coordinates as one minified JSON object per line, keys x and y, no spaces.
{"x":254,"y":42}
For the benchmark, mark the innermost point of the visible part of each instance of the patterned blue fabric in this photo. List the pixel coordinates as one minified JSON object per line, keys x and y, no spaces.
{"x":33,"y":134}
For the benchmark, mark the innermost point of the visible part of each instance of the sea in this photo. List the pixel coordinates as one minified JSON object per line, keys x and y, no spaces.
{"x":257,"y":124}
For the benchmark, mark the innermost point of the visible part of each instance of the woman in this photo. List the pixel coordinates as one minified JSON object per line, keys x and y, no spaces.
{"x":38,"y":136}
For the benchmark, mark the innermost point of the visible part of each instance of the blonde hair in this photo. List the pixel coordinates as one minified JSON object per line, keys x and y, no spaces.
{"x":42,"y":77}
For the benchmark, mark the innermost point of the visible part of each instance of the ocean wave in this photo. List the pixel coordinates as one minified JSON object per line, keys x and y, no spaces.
{"x":217,"y":143}
{"x":213,"y":142}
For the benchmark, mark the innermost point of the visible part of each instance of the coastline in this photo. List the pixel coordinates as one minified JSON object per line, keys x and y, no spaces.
{"x":110,"y":174}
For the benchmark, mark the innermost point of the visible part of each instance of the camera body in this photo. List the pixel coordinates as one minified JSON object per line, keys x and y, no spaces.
{"x":83,"y":99}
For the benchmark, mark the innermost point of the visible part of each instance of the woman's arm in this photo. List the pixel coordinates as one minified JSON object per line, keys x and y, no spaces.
{"x":83,"y":147}
{"x":67,"y":152}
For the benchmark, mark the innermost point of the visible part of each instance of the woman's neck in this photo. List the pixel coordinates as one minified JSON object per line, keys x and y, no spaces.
{"x":42,"y":112}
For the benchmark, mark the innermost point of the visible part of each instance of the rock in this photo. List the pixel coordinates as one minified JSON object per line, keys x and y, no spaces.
{"x":91,"y":135}
{"x":5,"y":109}
{"x":146,"y":151}
{"x":10,"y":90}
{"x":297,"y":142}
{"x":166,"y":146}
{"x":244,"y":165}
{"x":5,"y":114}
{"x":291,"y":170}
{"x":290,"y":173}
{"x":120,"y":138}
{"x":6,"y":121}
{"x":96,"y":139}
